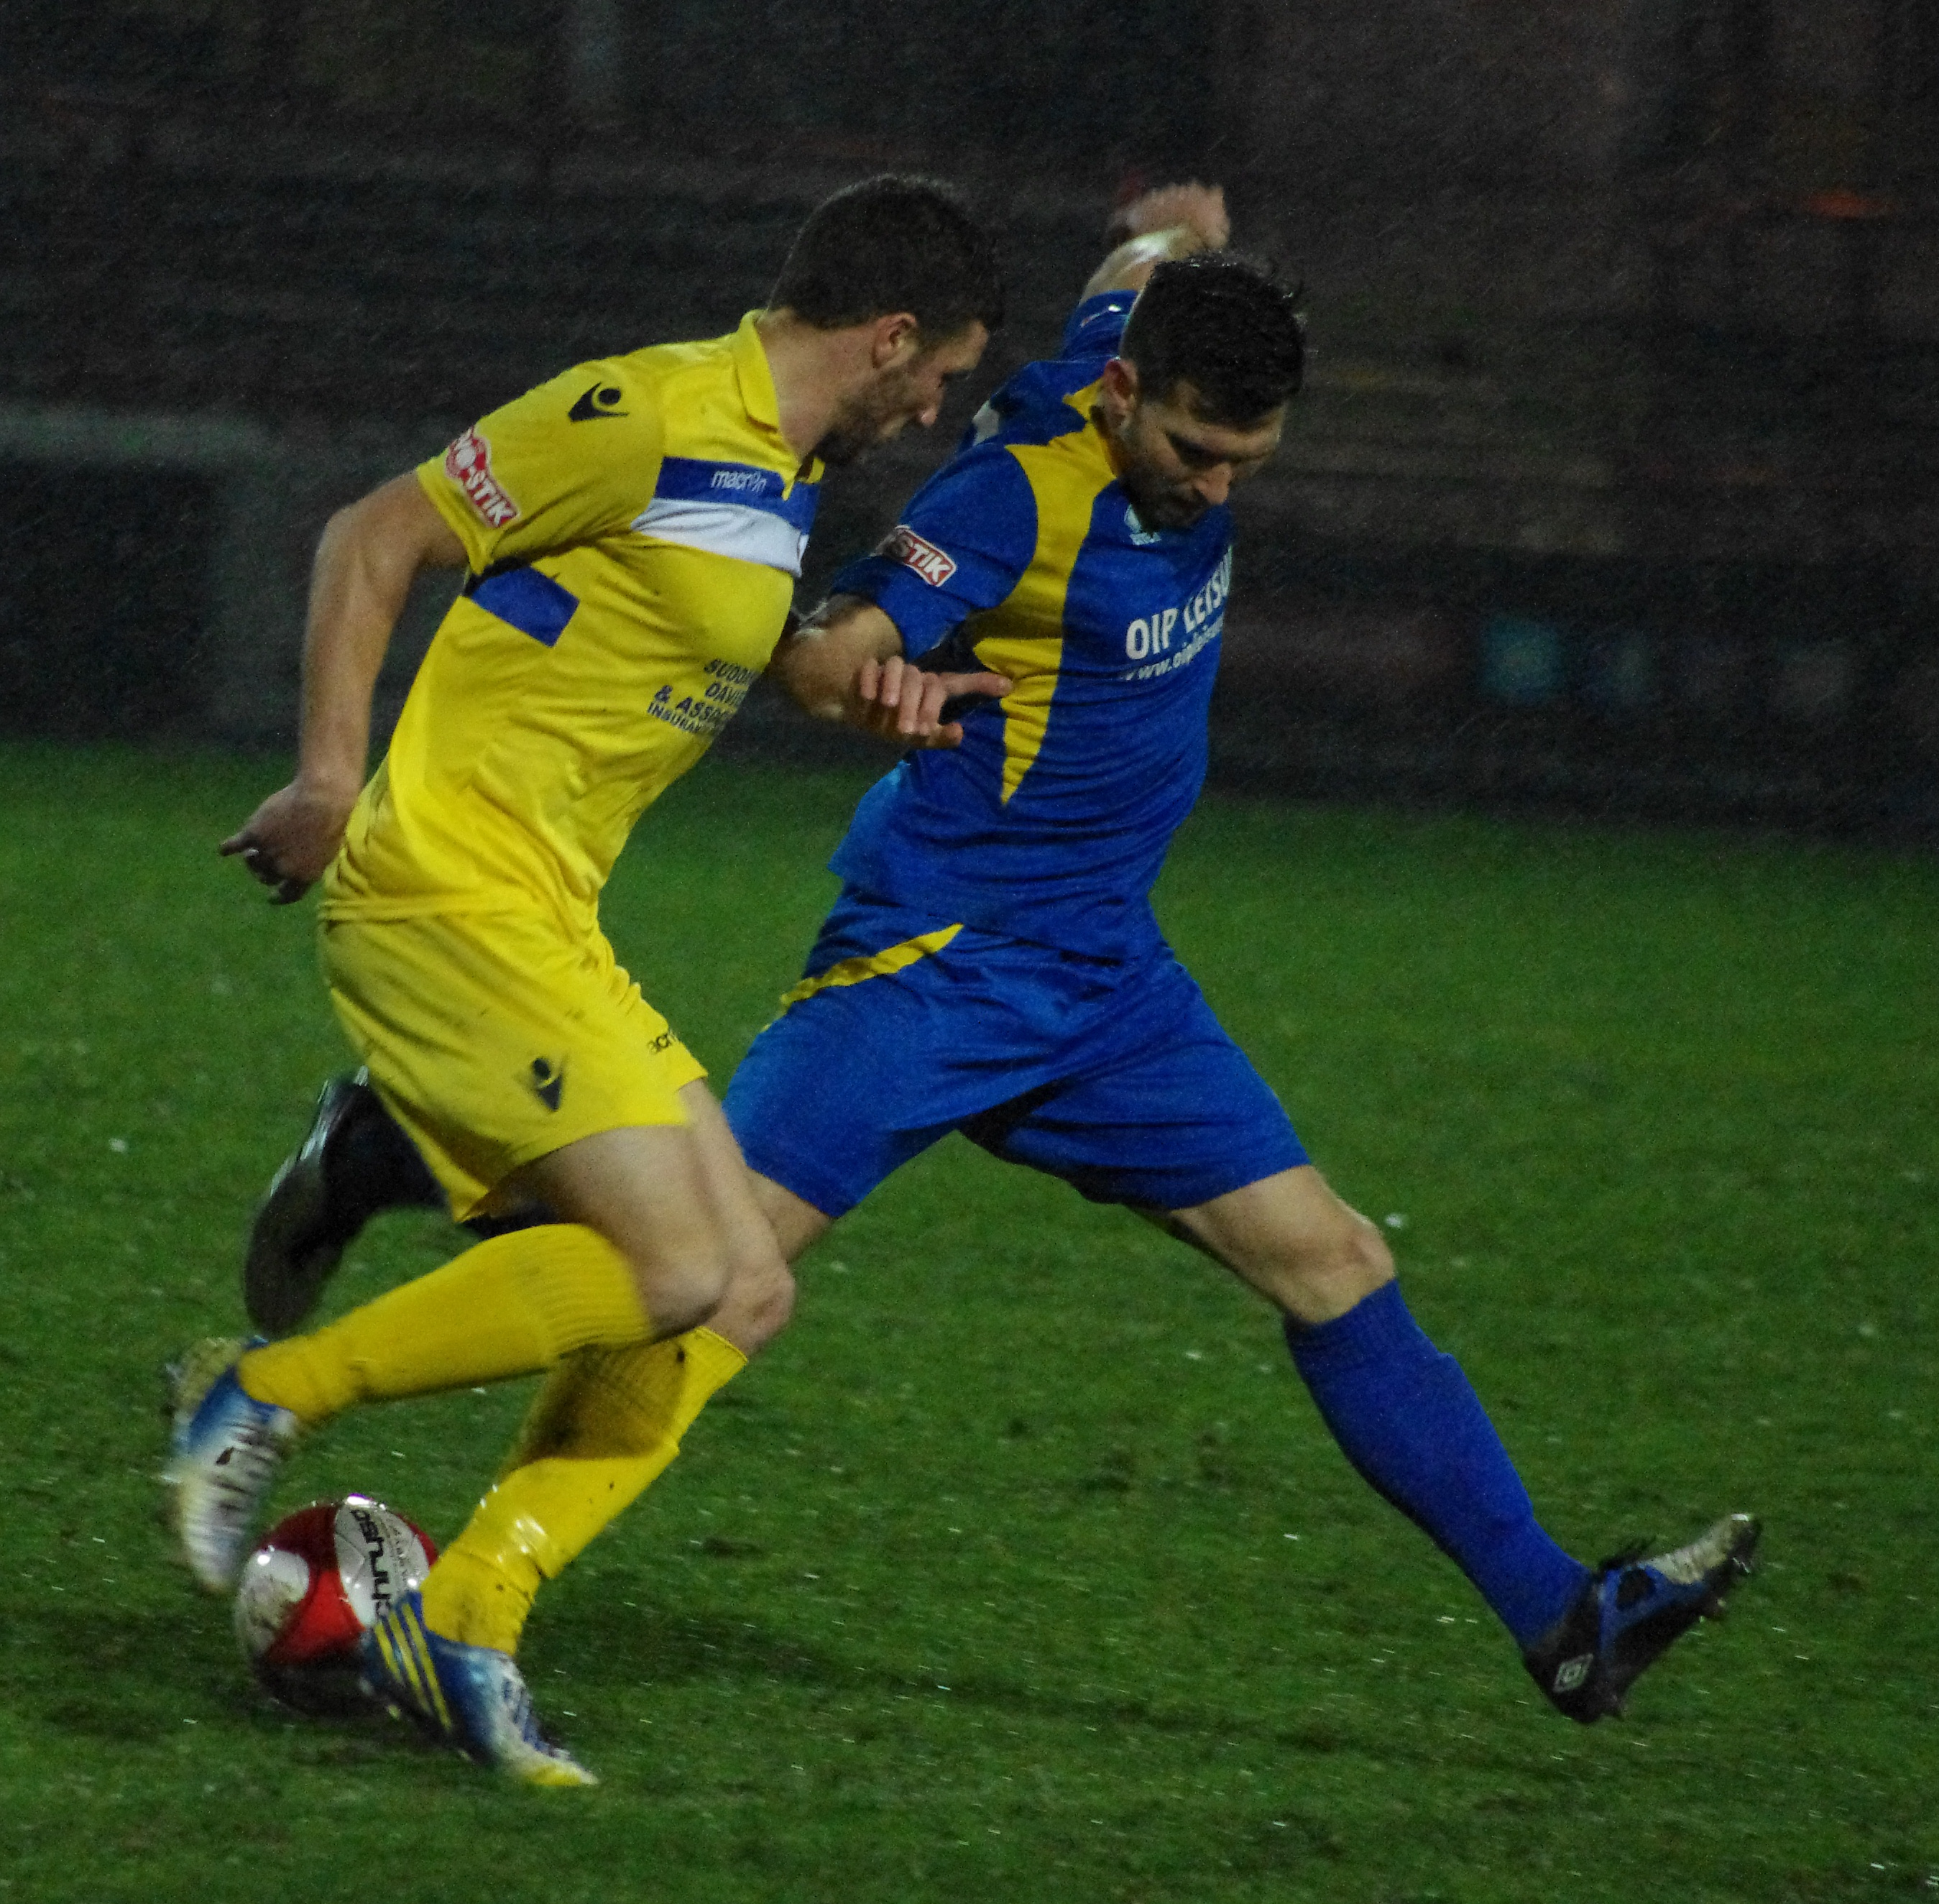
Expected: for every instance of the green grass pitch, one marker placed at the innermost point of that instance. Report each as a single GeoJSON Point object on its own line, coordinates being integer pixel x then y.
{"type": "Point", "coordinates": [1021, 1569]}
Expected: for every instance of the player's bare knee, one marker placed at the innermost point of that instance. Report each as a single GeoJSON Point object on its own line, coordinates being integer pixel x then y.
{"type": "Point", "coordinates": [1367, 1261]}
{"type": "Point", "coordinates": [778, 1312]}
{"type": "Point", "coordinates": [775, 1298]}
{"type": "Point", "coordinates": [1333, 1273]}
{"type": "Point", "coordinates": [758, 1305]}
{"type": "Point", "coordinates": [680, 1293]}
{"type": "Point", "coordinates": [676, 1307]}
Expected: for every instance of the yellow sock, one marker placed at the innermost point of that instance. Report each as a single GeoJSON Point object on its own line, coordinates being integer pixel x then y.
{"type": "Point", "coordinates": [504, 1308]}
{"type": "Point", "coordinates": [604, 1425]}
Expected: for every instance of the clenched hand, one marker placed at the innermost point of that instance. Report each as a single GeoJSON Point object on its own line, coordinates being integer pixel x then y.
{"type": "Point", "coordinates": [289, 840]}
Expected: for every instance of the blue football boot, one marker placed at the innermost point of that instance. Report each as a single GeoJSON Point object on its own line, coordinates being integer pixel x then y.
{"type": "Point", "coordinates": [1627, 1615]}
{"type": "Point", "coordinates": [472, 1697]}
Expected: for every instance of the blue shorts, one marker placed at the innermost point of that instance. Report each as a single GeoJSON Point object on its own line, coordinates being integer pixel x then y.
{"type": "Point", "coordinates": [1113, 1075]}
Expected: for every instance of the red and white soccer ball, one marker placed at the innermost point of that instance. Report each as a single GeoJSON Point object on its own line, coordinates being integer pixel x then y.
{"type": "Point", "coordinates": [314, 1586]}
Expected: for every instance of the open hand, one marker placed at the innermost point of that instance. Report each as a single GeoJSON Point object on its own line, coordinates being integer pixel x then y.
{"type": "Point", "coordinates": [289, 840]}
{"type": "Point", "coordinates": [898, 701]}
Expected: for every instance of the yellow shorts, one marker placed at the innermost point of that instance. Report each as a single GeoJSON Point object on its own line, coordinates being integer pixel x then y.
{"type": "Point", "coordinates": [496, 1037]}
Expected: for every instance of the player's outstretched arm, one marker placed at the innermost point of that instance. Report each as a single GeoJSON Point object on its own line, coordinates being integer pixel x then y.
{"type": "Point", "coordinates": [845, 662]}
{"type": "Point", "coordinates": [1172, 221]}
{"type": "Point", "coordinates": [370, 554]}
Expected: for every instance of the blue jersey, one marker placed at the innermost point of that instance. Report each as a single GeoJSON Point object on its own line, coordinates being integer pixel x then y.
{"type": "Point", "coordinates": [1050, 821]}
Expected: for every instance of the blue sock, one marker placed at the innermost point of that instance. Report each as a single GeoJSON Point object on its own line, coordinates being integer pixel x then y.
{"type": "Point", "coordinates": [1403, 1415]}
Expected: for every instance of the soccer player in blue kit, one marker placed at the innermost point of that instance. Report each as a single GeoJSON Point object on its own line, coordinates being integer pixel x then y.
{"type": "Point", "coordinates": [993, 964]}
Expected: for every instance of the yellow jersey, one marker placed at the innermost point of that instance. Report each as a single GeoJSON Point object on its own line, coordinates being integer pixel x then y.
{"type": "Point", "coordinates": [633, 530]}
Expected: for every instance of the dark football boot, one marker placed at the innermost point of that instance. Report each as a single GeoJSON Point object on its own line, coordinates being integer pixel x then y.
{"type": "Point", "coordinates": [354, 1161]}
{"type": "Point", "coordinates": [1631, 1611]}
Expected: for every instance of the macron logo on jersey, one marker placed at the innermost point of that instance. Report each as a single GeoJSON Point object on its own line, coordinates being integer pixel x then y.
{"type": "Point", "coordinates": [468, 463]}
{"type": "Point", "coordinates": [912, 551]}
{"type": "Point", "coordinates": [731, 509]}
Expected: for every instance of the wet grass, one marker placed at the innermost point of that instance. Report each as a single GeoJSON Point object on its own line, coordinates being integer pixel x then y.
{"type": "Point", "coordinates": [1020, 1568]}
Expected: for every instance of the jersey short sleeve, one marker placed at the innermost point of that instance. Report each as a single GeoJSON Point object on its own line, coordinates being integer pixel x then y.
{"type": "Point", "coordinates": [1096, 326]}
{"type": "Point", "coordinates": [962, 543]}
{"type": "Point", "coordinates": [571, 461]}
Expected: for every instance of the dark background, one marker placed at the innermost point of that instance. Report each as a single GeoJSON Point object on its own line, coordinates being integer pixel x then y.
{"type": "Point", "coordinates": [1613, 488]}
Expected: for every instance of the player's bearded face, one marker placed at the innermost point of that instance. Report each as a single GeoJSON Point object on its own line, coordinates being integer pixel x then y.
{"type": "Point", "coordinates": [909, 392]}
{"type": "Point", "coordinates": [1173, 464]}
{"type": "Point", "coordinates": [873, 414]}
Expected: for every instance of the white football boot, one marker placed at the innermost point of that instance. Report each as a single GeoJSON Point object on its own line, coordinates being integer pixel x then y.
{"type": "Point", "coordinates": [223, 1453]}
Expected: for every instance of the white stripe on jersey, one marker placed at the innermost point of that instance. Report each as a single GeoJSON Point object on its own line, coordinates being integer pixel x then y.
{"type": "Point", "coordinates": [726, 528]}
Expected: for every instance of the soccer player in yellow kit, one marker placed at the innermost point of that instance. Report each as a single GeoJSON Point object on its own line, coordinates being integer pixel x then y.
{"type": "Point", "coordinates": [992, 966]}
{"type": "Point", "coordinates": [631, 532]}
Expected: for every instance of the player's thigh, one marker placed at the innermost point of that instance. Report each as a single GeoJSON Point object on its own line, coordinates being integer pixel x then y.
{"type": "Point", "coordinates": [796, 1224]}
{"type": "Point", "coordinates": [839, 1092]}
{"type": "Point", "coordinates": [645, 1189]}
{"type": "Point", "coordinates": [496, 1039]}
{"type": "Point", "coordinates": [1157, 1107]}
{"type": "Point", "coordinates": [1294, 1240]}
{"type": "Point", "coordinates": [703, 1201]}
{"type": "Point", "coordinates": [758, 1298]}
{"type": "Point", "coordinates": [730, 1185]}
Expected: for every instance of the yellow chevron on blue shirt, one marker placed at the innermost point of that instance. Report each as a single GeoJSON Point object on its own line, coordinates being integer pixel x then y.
{"type": "Point", "coordinates": [1022, 638]}
{"type": "Point", "coordinates": [1026, 554]}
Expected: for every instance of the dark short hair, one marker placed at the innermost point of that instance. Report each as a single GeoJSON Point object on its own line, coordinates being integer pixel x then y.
{"type": "Point", "coordinates": [893, 243]}
{"type": "Point", "coordinates": [1223, 323]}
